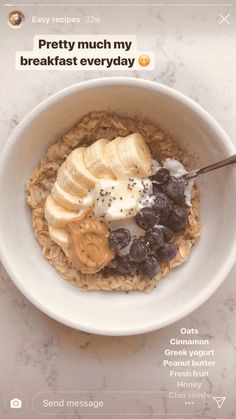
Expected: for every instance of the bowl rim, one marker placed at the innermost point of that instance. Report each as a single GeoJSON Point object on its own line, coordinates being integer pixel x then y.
{"type": "Point", "coordinates": [103, 82]}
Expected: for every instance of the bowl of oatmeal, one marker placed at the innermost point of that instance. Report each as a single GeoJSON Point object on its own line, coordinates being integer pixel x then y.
{"type": "Point", "coordinates": [98, 229]}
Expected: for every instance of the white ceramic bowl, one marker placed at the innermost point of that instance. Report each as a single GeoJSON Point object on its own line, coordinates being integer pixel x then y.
{"type": "Point", "coordinates": [182, 291]}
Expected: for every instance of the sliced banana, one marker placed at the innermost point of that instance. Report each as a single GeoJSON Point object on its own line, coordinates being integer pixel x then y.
{"type": "Point", "coordinates": [56, 215]}
{"type": "Point", "coordinates": [135, 155]}
{"type": "Point", "coordinates": [59, 236]}
{"type": "Point", "coordinates": [113, 170]}
{"type": "Point", "coordinates": [65, 199]}
{"type": "Point", "coordinates": [68, 183]}
{"type": "Point", "coordinates": [95, 160]}
{"type": "Point", "coordinates": [113, 158]}
{"type": "Point", "coordinates": [76, 167]}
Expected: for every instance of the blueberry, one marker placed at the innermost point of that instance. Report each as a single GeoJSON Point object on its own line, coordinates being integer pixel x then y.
{"type": "Point", "coordinates": [175, 190]}
{"type": "Point", "coordinates": [139, 250]}
{"type": "Point", "coordinates": [156, 188]}
{"type": "Point", "coordinates": [178, 218]}
{"type": "Point", "coordinates": [146, 218]}
{"type": "Point", "coordinates": [149, 267]}
{"type": "Point", "coordinates": [126, 266]}
{"type": "Point", "coordinates": [154, 238]}
{"type": "Point", "coordinates": [162, 206]}
{"type": "Point", "coordinates": [162, 175]}
{"type": "Point", "coordinates": [166, 252]}
{"type": "Point", "coordinates": [119, 238]}
{"type": "Point", "coordinates": [166, 232]}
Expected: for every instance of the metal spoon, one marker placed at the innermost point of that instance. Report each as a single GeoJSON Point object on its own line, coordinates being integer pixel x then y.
{"type": "Point", "coordinates": [194, 173]}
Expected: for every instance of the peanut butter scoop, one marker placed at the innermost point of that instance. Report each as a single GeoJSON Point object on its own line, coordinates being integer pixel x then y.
{"type": "Point", "coordinates": [88, 244]}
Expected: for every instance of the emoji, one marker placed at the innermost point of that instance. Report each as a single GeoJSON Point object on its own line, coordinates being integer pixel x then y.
{"type": "Point", "coordinates": [16, 18]}
{"type": "Point", "coordinates": [144, 60]}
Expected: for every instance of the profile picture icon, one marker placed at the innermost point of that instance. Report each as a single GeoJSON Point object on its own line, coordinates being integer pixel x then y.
{"type": "Point", "coordinates": [15, 403]}
{"type": "Point", "coordinates": [15, 18]}
{"type": "Point", "coordinates": [144, 60]}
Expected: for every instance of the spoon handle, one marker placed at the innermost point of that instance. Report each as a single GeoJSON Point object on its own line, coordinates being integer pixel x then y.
{"type": "Point", "coordinates": [222, 163]}
{"type": "Point", "coordinates": [210, 167]}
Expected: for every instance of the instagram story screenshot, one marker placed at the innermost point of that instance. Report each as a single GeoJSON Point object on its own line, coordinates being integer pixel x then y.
{"type": "Point", "coordinates": [118, 209]}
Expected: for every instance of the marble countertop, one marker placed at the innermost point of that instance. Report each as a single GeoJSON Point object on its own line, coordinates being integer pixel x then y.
{"type": "Point", "coordinates": [196, 55]}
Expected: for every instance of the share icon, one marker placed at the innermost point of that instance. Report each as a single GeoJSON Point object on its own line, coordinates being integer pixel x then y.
{"type": "Point", "coordinates": [219, 401]}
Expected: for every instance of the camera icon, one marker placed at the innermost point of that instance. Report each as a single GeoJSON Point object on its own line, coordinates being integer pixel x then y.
{"type": "Point", "coordinates": [15, 403]}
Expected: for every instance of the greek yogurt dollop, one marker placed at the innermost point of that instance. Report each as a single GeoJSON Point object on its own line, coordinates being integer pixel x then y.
{"type": "Point", "coordinates": [120, 199]}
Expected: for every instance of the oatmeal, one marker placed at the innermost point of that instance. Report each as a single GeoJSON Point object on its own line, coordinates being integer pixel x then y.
{"type": "Point", "coordinates": [135, 200]}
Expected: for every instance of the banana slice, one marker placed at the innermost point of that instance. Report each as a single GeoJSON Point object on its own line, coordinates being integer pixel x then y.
{"type": "Point", "coordinates": [135, 155]}
{"type": "Point", "coordinates": [129, 156]}
{"type": "Point", "coordinates": [65, 199]}
{"type": "Point", "coordinates": [95, 160]}
{"type": "Point", "coordinates": [76, 167]}
{"type": "Point", "coordinates": [66, 182]}
{"type": "Point", "coordinates": [56, 215]}
{"type": "Point", "coordinates": [112, 156]}
{"type": "Point", "coordinates": [59, 236]}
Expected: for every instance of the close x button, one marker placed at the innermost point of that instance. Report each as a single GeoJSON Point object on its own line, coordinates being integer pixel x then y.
{"type": "Point", "coordinates": [224, 19]}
